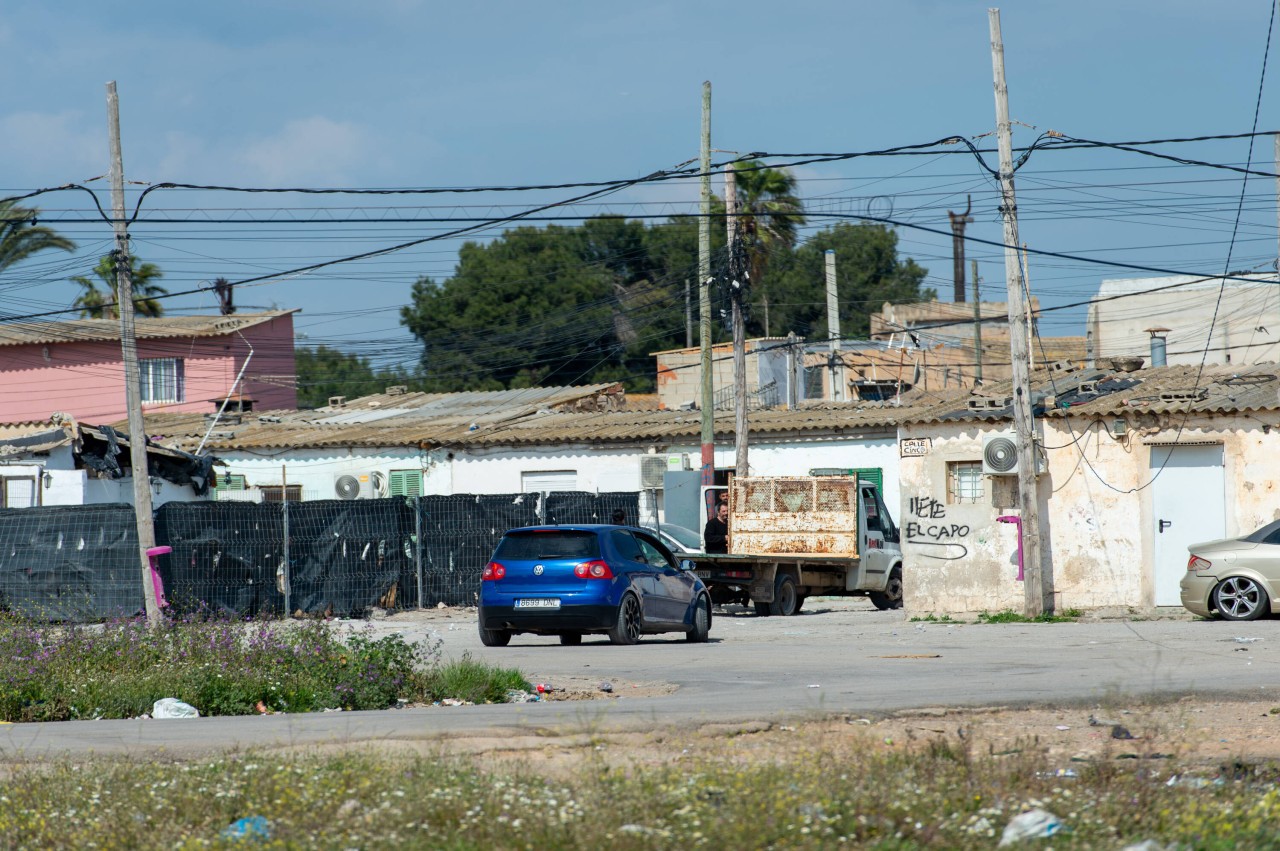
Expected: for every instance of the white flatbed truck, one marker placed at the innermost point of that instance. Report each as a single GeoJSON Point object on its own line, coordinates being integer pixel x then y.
{"type": "Point", "coordinates": [795, 537]}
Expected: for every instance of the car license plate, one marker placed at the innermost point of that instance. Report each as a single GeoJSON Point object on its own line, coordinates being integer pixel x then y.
{"type": "Point", "coordinates": [703, 574]}
{"type": "Point", "coordinates": [539, 603]}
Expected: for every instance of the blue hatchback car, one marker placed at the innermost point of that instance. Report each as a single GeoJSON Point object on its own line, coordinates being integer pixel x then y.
{"type": "Point", "coordinates": [573, 580]}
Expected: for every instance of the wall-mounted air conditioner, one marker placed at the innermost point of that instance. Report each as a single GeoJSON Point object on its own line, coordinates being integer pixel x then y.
{"type": "Point", "coordinates": [1000, 454]}
{"type": "Point", "coordinates": [360, 486]}
{"type": "Point", "coordinates": [652, 469]}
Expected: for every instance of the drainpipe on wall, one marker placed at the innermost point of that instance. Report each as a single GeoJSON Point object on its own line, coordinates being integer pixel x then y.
{"type": "Point", "coordinates": [1017, 521]}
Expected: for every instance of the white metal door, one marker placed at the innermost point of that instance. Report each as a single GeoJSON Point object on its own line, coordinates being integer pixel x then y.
{"type": "Point", "coordinates": [1188, 501]}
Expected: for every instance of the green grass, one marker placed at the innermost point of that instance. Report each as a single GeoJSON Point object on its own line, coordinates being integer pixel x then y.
{"type": "Point", "coordinates": [932, 618]}
{"type": "Point", "coordinates": [224, 667]}
{"type": "Point", "coordinates": [941, 796]}
{"type": "Point", "coordinates": [1010, 616]}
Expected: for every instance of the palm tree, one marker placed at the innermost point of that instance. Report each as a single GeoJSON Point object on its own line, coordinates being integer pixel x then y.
{"type": "Point", "coordinates": [97, 303]}
{"type": "Point", "coordinates": [769, 217]}
{"type": "Point", "coordinates": [21, 237]}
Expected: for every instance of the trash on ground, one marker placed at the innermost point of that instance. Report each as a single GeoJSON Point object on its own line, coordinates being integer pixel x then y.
{"type": "Point", "coordinates": [1033, 824]}
{"type": "Point", "coordinates": [1062, 727]}
{"type": "Point", "coordinates": [516, 696]}
{"type": "Point", "coordinates": [171, 707]}
{"type": "Point", "coordinates": [1146, 845]}
{"type": "Point", "coordinates": [1240, 639]}
{"type": "Point", "coordinates": [606, 687]}
{"type": "Point", "coordinates": [256, 828]}
{"type": "Point", "coordinates": [1119, 731]}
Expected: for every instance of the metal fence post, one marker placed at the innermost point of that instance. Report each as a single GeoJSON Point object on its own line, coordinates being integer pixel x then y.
{"type": "Point", "coordinates": [284, 567]}
{"type": "Point", "coordinates": [417, 543]}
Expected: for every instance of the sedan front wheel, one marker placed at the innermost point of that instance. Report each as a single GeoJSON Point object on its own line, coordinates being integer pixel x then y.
{"type": "Point", "coordinates": [1239, 598]}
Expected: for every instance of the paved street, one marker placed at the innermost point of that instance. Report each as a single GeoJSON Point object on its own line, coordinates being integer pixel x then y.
{"type": "Point", "coordinates": [836, 657]}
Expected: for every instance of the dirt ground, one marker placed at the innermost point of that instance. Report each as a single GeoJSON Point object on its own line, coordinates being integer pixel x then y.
{"type": "Point", "coordinates": [1193, 732]}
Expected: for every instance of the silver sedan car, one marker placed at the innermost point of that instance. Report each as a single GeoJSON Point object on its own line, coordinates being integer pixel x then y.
{"type": "Point", "coordinates": [1235, 578]}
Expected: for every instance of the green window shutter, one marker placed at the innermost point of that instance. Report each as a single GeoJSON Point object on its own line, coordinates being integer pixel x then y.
{"type": "Point", "coordinates": [875, 475]}
{"type": "Point", "coordinates": [230, 482]}
{"type": "Point", "coordinates": [406, 483]}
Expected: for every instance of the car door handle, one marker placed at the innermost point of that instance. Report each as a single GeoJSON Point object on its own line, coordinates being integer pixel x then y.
{"type": "Point", "coordinates": [1165, 524]}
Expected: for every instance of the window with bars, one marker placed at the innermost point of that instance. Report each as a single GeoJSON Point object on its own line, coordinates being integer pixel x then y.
{"type": "Point", "coordinates": [964, 481]}
{"type": "Point", "coordinates": [19, 492]}
{"type": "Point", "coordinates": [162, 379]}
{"type": "Point", "coordinates": [275, 493]}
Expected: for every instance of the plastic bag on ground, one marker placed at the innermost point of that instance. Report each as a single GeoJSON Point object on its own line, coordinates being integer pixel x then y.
{"type": "Point", "coordinates": [254, 828]}
{"type": "Point", "coordinates": [1033, 824]}
{"type": "Point", "coordinates": [171, 707]}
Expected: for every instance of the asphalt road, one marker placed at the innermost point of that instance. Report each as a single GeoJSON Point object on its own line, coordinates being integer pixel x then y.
{"type": "Point", "coordinates": [837, 657]}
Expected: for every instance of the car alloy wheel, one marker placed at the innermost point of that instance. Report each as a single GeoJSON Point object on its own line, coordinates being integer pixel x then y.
{"type": "Point", "coordinates": [630, 618]}
{"type": "Point", "coordinates": [1240, 598]}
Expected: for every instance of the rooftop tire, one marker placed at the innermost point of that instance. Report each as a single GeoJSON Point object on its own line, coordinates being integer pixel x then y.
{"type": "Point", "coordinates": [891, 596]}
{"type": "Point", "coordinates": [1239, 598]}
{"type": "Point", "coordinates": [701, 622]}
{"type": "Point", "coordinates": [786, 599]}
{"type": "Point", "coordinates": [630, 620]}
{"type": "Point", "coordinates": [495, 637]}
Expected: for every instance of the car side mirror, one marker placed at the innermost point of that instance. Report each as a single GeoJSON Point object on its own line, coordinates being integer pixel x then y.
{"type": "Point", "coordinates": [687, 564]}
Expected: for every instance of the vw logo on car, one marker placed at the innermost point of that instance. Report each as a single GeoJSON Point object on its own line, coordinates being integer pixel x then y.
{"type": "Point", "coordinates": [537, 570]}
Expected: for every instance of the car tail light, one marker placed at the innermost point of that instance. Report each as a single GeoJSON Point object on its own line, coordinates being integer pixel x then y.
{"type": "Point", "coordinates": [492, 572]}
{"type": "Point", "coordinates": [593, 570]}
{"type": "Point", "coordinates": [1196, 563]}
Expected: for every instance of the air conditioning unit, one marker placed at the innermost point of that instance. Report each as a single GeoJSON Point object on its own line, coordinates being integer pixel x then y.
{"type": "Point", "coordinates": [652, 469]}
{"type": "Point", "coordinates": [348, 486]}
{"type": "Point", "coordinates": [1000, 455]}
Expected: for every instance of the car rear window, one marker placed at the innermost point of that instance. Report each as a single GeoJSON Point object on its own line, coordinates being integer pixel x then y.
{"type": "Point", "coordinates": [548, 545]}
{"type": "Point", "coordinates": [1269, 534]}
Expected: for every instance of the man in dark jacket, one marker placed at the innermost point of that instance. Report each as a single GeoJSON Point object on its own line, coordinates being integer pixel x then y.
{"type": "Point", "coordinates": [715, 535]}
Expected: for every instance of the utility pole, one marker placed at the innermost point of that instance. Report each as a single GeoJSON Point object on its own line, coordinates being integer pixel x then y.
{"type": "Point", "coordinates": [1278, 201]}
{"type": "Point", "coordinates": [704, 298]}
{"type": "Point", "coordinates": [833, 329]}
{"type": "Point", "coordinates": [129, 352]}
{"type": "Point", "coordinates": [1026, 291]}
{"type": "Point", "coordinates": [1038, 593]}
{"type": "Point", "coordinates": [977, 328]}
{"type": "Point", "coordinates": [958, 222]}
{"type": "Point", "coordinates": [737, 286]}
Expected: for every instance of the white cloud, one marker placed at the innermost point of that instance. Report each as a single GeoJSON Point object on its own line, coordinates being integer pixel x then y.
{"type": "Point", "coordinates": [56, 147]}
{"type": "Point", "coordinates": [310, 151]}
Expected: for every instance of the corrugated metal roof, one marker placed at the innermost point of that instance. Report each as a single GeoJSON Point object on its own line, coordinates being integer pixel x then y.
{"type": "Point", "coordinates": [100, 330]}
{"type": "Point", "coordinates": [468, 406]}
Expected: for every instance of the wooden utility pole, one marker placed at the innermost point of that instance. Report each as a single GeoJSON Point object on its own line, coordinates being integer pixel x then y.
{"type": "Point", "coordinates": [129, 352]}
{"type": "Point", "coordinates": [958, 222]}
{"type": "Point", "coordinates": [833, 328]}
{"type": "Point", "coordinates": [1038, 593]}
{"type": "Point", "coordinates": [704, 298]}
{"type": "Point", "coordinates": [737, 286]}
{"type": "Point", "coordinates": [977, 328]}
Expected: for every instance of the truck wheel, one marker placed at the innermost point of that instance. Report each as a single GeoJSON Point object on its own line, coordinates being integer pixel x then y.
{"type": "Point", "coordinates": [891, 596]}
{"type": "Point", "coordinates": [785, 597]}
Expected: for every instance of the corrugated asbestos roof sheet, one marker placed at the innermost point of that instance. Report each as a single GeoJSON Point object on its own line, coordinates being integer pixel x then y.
{"type": "Point", "coordinates": [99, 330]}
{"type": "Point", "coordinates": [1058, 393]}
{"type": "Point", "coordinates": [460, 406]}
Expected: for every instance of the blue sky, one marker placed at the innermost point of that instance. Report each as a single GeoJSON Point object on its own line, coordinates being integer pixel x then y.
{"type": "Point", "coordinates": [417, 94]}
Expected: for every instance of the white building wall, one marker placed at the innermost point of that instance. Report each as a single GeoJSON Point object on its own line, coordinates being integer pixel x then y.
{"type": "Point", "coordinates": [317, 469]}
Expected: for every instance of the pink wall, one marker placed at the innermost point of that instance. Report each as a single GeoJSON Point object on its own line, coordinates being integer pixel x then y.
{"type": "Point", "coordinates": [86, 380]}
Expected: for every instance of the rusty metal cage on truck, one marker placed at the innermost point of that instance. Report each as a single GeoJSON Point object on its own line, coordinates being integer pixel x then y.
{"type": "Point", "coordinates": [800, 515]}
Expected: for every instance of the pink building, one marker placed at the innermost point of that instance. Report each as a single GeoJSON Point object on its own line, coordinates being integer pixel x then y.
{"type": "Point", "coordinates": [187, 363]}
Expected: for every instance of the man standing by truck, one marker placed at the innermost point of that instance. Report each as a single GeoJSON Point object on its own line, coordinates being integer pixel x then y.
{"type": "Point", "coordinates": [715, 535]}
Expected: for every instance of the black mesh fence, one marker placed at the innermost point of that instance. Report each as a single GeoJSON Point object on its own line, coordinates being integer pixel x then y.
{"type": "Point", "coordinates": [339, 557]}
{"type": "Point", "coordinates": [70, 563]}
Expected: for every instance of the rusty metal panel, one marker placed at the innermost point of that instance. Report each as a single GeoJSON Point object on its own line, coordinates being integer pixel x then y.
{"type": "Point", "coordinates": [802, 515]}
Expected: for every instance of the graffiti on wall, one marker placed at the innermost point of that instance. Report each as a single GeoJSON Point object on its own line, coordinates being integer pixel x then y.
{"type": "Point", "coordinates": [927, 528]}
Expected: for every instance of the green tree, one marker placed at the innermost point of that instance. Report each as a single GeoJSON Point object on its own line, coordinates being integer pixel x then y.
{"type": "Point", "coordinates": [21, 237]}
{"type": "Point", "coordinates": [323, 372]}
{"type": "Point", "coordinates": [769, 217]}
{"type": "Point", "coordinates": [95, 303]}
{"type": "Point", "coordinates": [868, 272]}
{"type": "Point", "coordinates": [555, 305]}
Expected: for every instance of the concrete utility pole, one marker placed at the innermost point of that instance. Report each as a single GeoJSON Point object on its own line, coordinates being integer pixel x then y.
{"type": "Point", "coordinates": [1278, 201]}
{"type": "Point", "coordinates": [833, 329]}
{"type": "Point", "coordinates": [129, 351]}
{"type": "Point", "coordinates": [736, 287]}
{"type": "Point", "coordinates": [688, 317]}
{"type": "Point", "coordinates": [958, 221]}
{"type": "Point", "coordinates": [1038, 582]}
{"type": "Point", "coordinates": [704, 298]}
{"type": "Point", "coordinates": [977, 328]}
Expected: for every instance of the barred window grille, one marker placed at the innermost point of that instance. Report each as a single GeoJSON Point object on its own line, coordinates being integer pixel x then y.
{"type": "Point", "coordinates": [964, 481]}
{"type": "Point", "coordinates": [162, 379]}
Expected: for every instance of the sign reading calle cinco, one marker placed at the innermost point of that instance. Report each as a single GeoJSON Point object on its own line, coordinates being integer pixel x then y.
{"type": "Point", "coordinates": [914, 447]}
